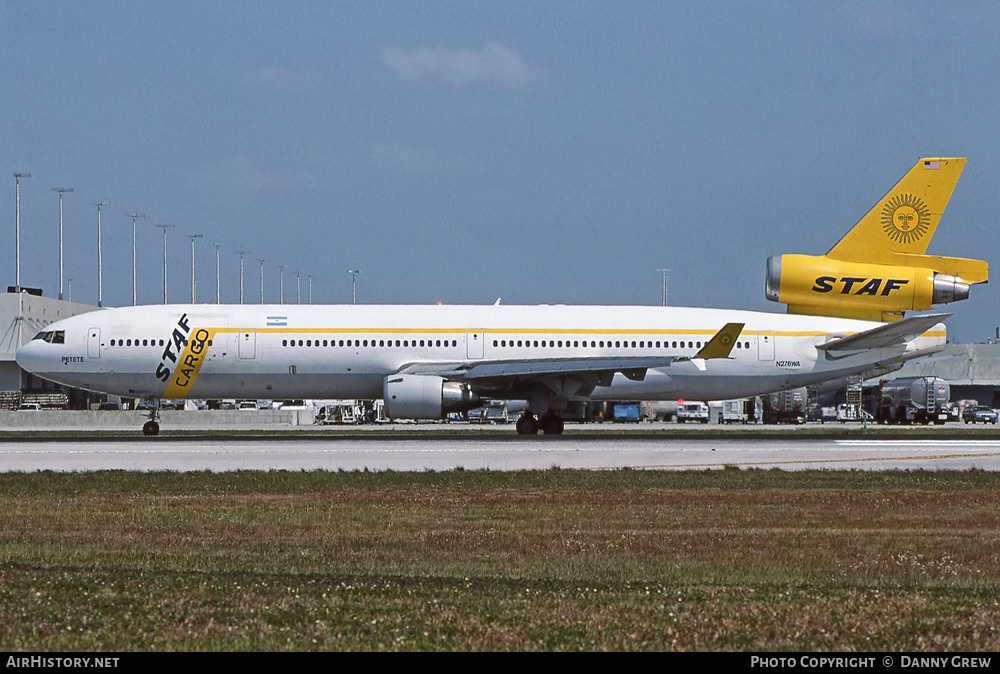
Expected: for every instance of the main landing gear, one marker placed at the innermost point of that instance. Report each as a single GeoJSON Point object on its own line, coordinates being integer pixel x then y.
{"type": "Point", "coordinates": [550, 424]}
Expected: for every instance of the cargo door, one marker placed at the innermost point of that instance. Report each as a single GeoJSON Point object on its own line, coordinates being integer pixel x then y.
{"type": "Point", "coordinates": [765, 345]}
{"type": "Point", "coordinates": [94, 343]}
{"type": "Point", "coordinates": [474, 343]}
{"type": "Point", "coordinates": [248, 344]}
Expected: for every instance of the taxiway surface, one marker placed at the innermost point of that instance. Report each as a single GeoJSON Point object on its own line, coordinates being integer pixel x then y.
{"type": "Point", "coordinates": [430, 452]}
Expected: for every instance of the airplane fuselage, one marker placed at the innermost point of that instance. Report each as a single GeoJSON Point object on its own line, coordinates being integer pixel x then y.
{"type": "Point", "coordinates": [347, 351]}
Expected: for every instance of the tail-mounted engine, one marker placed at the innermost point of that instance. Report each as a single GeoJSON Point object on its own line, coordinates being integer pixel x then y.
{"type": "Point", "coordinates": [821, 286]}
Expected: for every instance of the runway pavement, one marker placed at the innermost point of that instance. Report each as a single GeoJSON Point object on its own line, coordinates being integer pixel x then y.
{"type": "Point", "coordinates": [428, 451]}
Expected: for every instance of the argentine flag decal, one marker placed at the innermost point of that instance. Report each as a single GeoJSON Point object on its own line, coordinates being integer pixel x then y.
{"type": "Point", "coordinates": [277, 321]}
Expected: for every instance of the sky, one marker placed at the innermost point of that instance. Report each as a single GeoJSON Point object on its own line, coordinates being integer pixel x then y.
{"type": "Point", "coordinates": [542, 152]}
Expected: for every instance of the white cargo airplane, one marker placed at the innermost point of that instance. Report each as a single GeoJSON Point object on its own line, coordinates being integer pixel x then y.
{"type": "Point", "coordinates": [428, 361]}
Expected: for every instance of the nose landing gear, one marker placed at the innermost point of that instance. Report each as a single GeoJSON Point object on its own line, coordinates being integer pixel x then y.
{"type": "Point", "coordinates": [152, 427]}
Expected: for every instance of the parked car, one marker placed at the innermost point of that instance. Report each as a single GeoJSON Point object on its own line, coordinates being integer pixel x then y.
{"type": "Point", "coordinates": [976, 413]}
{"type": "Point", "coordinates": [247, 405]}
{"type": "Point", "coordinates": [109, 405]}
{"type": "Point", "coordinates": [29, 407]}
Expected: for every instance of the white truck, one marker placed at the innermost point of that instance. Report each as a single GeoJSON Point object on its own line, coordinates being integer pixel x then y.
{"type": "Point", "coordinates": [692, 411]}
{"type": "Point", "coordinates": [728, 411]}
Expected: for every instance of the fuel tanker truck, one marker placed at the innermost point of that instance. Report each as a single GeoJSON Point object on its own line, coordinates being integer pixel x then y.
{"type": "Point", "coordinates": [908, 400]}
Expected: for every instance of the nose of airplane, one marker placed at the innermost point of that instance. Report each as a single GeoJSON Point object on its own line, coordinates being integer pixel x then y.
{"type": "Point", "coordinates": [30, 357]}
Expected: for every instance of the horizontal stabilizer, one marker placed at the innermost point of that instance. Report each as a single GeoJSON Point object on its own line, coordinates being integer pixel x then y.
{"type": "Point", "coordinates": [884, 335]}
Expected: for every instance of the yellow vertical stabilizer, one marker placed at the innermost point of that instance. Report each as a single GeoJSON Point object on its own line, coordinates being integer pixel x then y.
{"type": "Point", "coordinates": [879, 270]}
{"type": "Point", "coordinates": [904, 221]}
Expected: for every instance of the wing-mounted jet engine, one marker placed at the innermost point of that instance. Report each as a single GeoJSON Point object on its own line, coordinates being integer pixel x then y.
{"type": "Point", "coordinates": [879, 270]}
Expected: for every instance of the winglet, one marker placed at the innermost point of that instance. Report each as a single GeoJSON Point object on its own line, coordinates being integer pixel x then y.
{"type": "Point", "coordinates": [721, 345]}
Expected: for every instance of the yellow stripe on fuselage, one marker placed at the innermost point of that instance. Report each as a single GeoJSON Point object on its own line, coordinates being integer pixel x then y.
{"type": "Point", "coordinates": [531, 331]}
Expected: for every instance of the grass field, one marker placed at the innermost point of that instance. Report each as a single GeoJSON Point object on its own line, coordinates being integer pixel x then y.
{"type": "Point", "coordinates": [475, 560]}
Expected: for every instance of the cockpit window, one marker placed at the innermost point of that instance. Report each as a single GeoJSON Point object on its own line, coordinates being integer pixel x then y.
{"type": "Point", "coordinates": [52, 336]}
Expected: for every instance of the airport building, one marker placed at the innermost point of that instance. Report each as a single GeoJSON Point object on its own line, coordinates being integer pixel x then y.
{"type": "Point", "coordinates": [22, 316]}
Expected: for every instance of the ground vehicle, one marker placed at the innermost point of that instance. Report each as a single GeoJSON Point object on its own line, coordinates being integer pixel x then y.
{"type": "Point", "coordinates": [847, 413]}
{"type": "Point", "coordinates": [728, 411]}
{"type": "Point", "coordinates": [490, 414]}
{"type": "Point", "coordinates": [821, 414]}
{"type": "Point", "coordinates": [247, 405]}
{"type": "Point", "coordinates": [29, 407]}
{"type": "Point", "coordinates": [913, 400]}
{"type": "Point", "coordinates": [495, 415]}
{"type": "Point", "coordinates": [692, 412]}
{"type": "Point", "coordinates": [975, 413]}
{"type": "Point", "coordinates": [785, 407]}
{"type": "Point", "coordinates": [110, 405]}
{"type": "Point", "coordinates": [657, 410]}
{"type": "Point", "coordinates": [625, 412]}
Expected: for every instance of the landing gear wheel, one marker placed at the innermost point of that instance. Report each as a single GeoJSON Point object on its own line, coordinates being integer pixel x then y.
{"type": "Point", "coordinates": [527, 424]}
{"type": "Point", "coordinates": [552, 424]}
{"type": "Point", "coordinates": [151, 428]}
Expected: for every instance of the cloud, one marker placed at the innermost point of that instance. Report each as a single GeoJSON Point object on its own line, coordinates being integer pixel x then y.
{"type": "Point", "coordinates": [493, 63]}
{"type": "Point", "coordinates": [243, 173]}
{"type": "Point", "coordinates": [283, 80]}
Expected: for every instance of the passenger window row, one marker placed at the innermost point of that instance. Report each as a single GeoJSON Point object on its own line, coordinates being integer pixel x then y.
{"type": "Point", "coordinates": [370, 342]}
{"type": "Point", "coordinates": [601, 344]}
{"type": "Point", "coordinates": [144, 342]}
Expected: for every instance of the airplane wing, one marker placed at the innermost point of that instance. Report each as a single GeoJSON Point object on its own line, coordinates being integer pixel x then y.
{"type": "Point", "coordinates": [602, 367]}
{"type": "Point", "coordinates": [888, 334]}
{"type": "Point", "coordinates": [631, 367]}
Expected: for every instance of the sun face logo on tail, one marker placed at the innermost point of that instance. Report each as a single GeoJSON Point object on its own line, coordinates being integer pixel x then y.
{"type": "Point", "coordinates": [905, 218]}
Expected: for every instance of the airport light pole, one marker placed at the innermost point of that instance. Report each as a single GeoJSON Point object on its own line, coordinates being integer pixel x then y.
{"type": "Point", "coordinates": [193, 237]}
{"type": "Point", "coordinates": [165, 228]}
{"type": "Point", "coordinates": [218, 286]}
{"type": "Point", "coordinates": [281, 283]}
{"type": "Point", "coordinates": [310, 289]}
{"type": "Point", "coordinates": [100, 259]}
{"type": "Point", "coordinates": [241, 254]}
{"type": "Point", "coordinates": [134, 217]}
{"type": "Point", "coordinates": [17, 229]}
{"type": "Point", "coordinates": [262, 260]}
{"type": "Point", "coordinates": [298, 287]}
{"type": "Point", "coordinates": [664, 272]}
{"type": "Point", "coordinates": [61, 191]}
{"type": "Point", "coordinates": [354, 284]}
{"type": "Point", "coordinates": [69, 287]}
